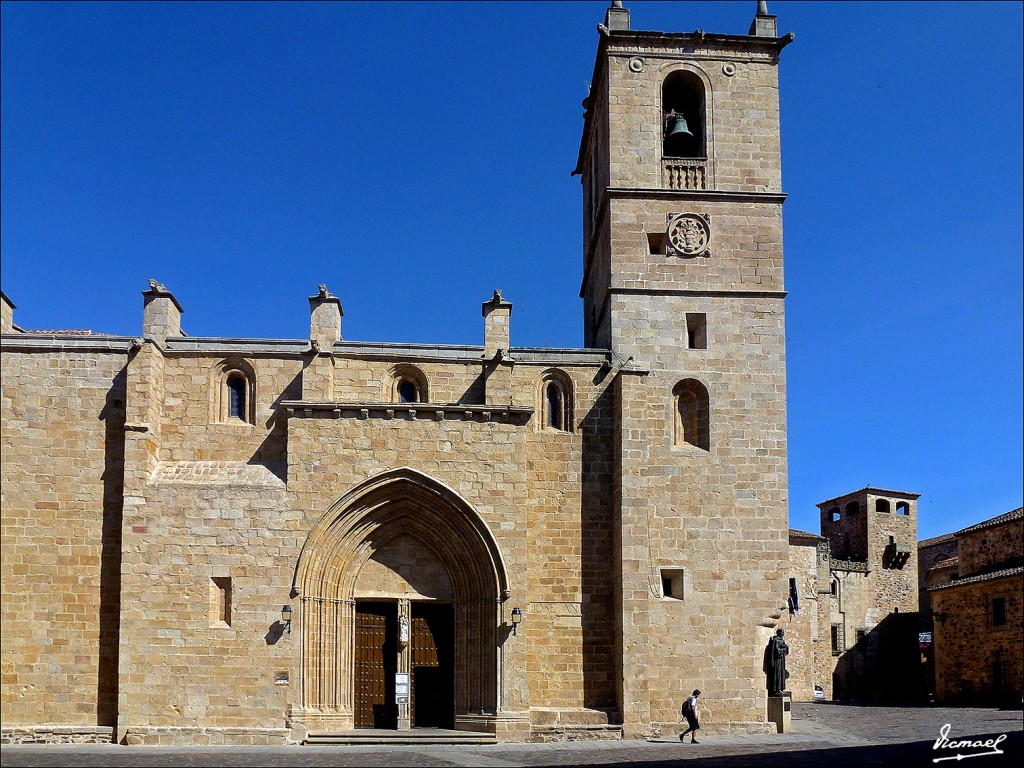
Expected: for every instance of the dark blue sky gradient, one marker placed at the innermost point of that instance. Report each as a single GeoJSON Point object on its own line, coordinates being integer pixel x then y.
{"type": "Point", "coordinates": [415, 157]}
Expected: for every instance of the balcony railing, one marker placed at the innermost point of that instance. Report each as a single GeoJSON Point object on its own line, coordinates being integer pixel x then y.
{"type": "Point", "coordinates": [684, 172]}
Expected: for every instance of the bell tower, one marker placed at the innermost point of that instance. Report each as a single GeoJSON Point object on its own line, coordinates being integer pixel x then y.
{"type": "Point", "coordinates": [682, 222]}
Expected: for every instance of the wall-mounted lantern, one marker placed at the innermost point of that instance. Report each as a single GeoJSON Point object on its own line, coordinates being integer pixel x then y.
{"type": "Point", "coordinates": [286, 618]}
{"type": "Point", "coordinates": [517, 619]}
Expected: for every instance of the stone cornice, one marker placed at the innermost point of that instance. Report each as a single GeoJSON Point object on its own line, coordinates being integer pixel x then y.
{"type": "Point", "coordinates": [857, 566]}
{"type": "Point", "coordinates": [709, 195]}
{"type": "Point", "coordinates": [52, 342]}
{"type": "Point", "coordinates": [182, 345]}
{"type": "Point", "coordinates": [388, 351]}
{"type": "Point", "coordinates": [407, 411]}
{"type": "Point", "coordinates": [699, 43]}
{"type": "Point", "coordinates": [740, 294]}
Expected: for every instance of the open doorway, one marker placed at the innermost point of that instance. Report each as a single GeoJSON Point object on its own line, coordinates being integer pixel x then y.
{"type": "Point", "coordinates": [433, 665]}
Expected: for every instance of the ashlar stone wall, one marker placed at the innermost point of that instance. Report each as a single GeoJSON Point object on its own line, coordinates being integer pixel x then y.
{"type": "Point", "coordinates": [60, 491]}
{"type": "Point", "coordinates": [215, 503]}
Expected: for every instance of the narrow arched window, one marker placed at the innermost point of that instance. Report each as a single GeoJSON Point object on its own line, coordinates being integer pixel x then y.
{"type": "Point", "coordinates": [692, 414]}
{"type": "Point", "coordinates": [555, 402]}
{"type": "Point", "coordinates": [833, 514]}
{"type": "Point", "coordinates": [683, 116]}
{"type": "Point", "coordinates": [233, 392]}
{"type": "Point", "coordinates": [556, 406]}
{"type": "Point", "coordinates": [882, 505]}
{"type": "Point", "coordinates": [237, 397]}
{"type": "Point", "coordinates": [408, 384]}
{"type": "Point", "coordinates": [852, 508]}
{"type": "Point", "coordinates": [902, 508]}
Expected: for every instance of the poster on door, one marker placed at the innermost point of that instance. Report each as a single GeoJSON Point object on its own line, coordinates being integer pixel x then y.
{"type": "Point", "coordinates": [401, 687]}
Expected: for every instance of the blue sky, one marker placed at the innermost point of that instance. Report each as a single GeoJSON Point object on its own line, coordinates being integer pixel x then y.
{"type": "Point", "coordinates": [416, 156]}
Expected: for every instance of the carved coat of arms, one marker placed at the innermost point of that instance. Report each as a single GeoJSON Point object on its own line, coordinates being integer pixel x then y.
{"type": "Point", "coordinates": [688, 235]}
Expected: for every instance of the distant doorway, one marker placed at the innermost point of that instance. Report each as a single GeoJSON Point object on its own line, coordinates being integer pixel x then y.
{"type": "Point", "coordinates": [376, 659]}
{"type": "Point", "coordinates": [433, 665]}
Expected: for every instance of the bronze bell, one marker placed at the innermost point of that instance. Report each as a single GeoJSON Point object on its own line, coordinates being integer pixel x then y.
{"type": "Point", "coordinates": [677, 127]}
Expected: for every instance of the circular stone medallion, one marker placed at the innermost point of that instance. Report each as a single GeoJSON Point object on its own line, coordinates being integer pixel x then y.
{"type": "Point", "coordinates": [636, 64]}
{"type": "Point", "coordinates": [689, 234]}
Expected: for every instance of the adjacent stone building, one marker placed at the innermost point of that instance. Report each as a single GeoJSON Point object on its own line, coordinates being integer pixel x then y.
{"type": "Point", "coordinates": [522, 543]}
{"type": "Point", "coordinates": [854, 599]}
{"type": "Point", "coordinates": [976, 613]}
{"type": "Point", "coordinates": [807, 613]}
{"type": "Point", "coordinates": [936, 564]}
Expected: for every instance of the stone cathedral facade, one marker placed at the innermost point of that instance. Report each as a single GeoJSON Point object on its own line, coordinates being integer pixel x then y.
{"type": "Point", "coordinates": [251, 540]}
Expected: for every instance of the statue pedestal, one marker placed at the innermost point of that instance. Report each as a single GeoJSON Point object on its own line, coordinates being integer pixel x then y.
{"type": "Point", "coordinates": [780, 712]}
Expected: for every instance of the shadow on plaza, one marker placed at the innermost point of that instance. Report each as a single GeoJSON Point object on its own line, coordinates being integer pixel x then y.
{"type": "Point", "coordinates": [910, 755]}
{"type": "Point", "coordinates": [910, 704]}
{"type": "Point", "coordinates": [665, 755]}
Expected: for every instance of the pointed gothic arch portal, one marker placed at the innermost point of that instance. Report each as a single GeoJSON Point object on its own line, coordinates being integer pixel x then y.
{"type": "Point", "coordinates": [398, 508]}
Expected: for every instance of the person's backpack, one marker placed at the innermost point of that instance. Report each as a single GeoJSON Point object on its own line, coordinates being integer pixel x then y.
{"type": "Point", "coordinates": [688, 707]}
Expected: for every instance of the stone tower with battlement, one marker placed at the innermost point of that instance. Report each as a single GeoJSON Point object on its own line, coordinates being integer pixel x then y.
{"type": "Point", "coordinates": [683, 282]}
{"type": "Point", "coordinates": [870, 651]}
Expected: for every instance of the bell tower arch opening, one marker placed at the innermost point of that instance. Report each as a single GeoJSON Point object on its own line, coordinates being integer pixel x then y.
{"type": "Point", "coordinates": [399, 586]}
{"type": "Point", "coordinates": [684, 116]}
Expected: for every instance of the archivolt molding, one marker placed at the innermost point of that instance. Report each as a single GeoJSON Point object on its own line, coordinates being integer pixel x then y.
{"type": "Point", "coordinates": [398, 501]}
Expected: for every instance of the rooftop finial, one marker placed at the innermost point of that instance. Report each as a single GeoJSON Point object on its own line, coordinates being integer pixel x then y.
{"type": "Point", "coordinates": [616, 18]}
{"type": "Point", "coordinates": [763, 24]}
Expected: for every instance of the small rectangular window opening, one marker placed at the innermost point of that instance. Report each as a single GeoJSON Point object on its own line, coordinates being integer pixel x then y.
{"type": "Point", "coordinates": [1000, 674]}
{"type": "Point", "coordinates": [220, 601]}
{"type": "Point", "coordinates": [672, 583]}
{"type": "Point", "coordinates": [998, 611]}
{"type": "Point", "coordinates": [836, 647]}
{"type": "Point", "coordinates": [656, 242]}
{"type": "Point", "coordinates": [696, 330]}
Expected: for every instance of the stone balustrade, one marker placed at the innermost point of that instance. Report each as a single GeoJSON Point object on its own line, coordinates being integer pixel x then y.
{"type": "Point", "coordinates": [684, 172]}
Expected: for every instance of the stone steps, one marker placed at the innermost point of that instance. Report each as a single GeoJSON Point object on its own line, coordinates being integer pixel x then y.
{"type": "Point", "coordinates": [412, 737]}
{"type": "Point", "coordinates": [576, 732]}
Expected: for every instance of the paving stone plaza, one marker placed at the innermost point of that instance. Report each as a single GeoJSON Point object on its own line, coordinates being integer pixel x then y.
{"type": "Point", "coordinates": [832, 734]}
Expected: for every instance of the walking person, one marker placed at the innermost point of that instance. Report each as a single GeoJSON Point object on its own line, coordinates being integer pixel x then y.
{"type": "Point", "coordinates": [692, 715]}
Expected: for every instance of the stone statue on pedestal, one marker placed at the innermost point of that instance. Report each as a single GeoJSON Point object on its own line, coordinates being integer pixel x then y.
{"type": "Point", "coordinates": [775, 663]}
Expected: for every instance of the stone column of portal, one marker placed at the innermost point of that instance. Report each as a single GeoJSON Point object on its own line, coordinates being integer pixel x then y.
{"type": "Point", "coordinates": [325, 315]}
{"type": "Point", "coordinates": [405, 662]}
{"type": "Point", "coordinates": [347, 632]}
{"type": "Point", "coordinates": [497, 363]}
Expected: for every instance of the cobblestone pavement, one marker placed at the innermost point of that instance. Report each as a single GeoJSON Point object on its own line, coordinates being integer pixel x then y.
{"type": "Point", "coordinates": [833, 735]}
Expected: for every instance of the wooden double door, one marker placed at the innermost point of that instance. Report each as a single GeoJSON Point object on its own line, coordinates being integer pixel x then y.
{"type": "Point", "coordinates": [428, 658]}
